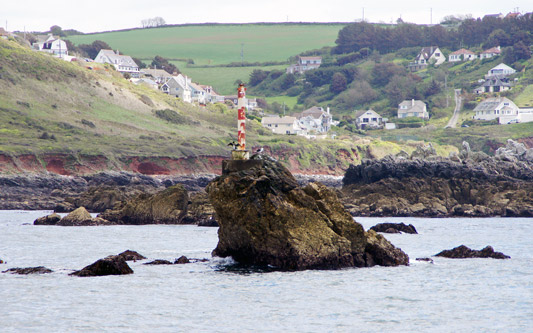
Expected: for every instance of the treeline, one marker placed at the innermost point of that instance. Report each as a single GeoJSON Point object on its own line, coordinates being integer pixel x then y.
{"type": "Point", "coordinates": [486, 32]}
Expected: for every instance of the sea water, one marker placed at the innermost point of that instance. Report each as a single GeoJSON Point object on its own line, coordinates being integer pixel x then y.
{"type": "Point", "coordinates": [450, 295]}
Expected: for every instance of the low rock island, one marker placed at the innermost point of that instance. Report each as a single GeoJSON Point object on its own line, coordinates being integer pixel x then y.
{"type": "Point", "coordinates": [265, 218]}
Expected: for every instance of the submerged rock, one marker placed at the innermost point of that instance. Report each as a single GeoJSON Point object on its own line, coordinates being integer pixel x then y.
{"type": "Point", "coordinates": [158, 262]}
{"type": "Point", "coordinates": [112, 265]}
{"type": "Point", "coordinates": [51, 219]}
{"type": "Point", "coordinates": [130, 255]}
{"type": "Point", "coordinates": [166, 207]}
{"type": "Point", "coordinates": [265, 218]}
{"type": "Point", "coordinates": [182, 260]}
{"type": "Point", "coordinates": [394, 228]}
{"type": "Point", "coordinates": [29, 270]}
{"type": "Point", "coordinates": [462, 252]}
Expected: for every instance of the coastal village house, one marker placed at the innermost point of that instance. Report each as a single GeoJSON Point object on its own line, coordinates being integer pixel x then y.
{"type": "Point", "coordinates": [51, 44]}
{"type": "Point", "coordinates": [178, 86]}
{"type": "Point", "coordinates": [122, 63]}
{"type": "Point", "coordinates": [368, 119]}
{"type": "Point", "coordinates": [158, 75]}
{"type": "Point", "coordinates": [428, 55]}
{"type": "Point", "coordinates": [462, 55]}
{"type": "Point", "coordinates": [492, 52]}
{"type": "Point", "coordinates": [304, 64]}
{"type": "Point", "coordinates": [500, 70]}
{"type": "Point", "coordinates": [412, 108]}
{"type": "Point", "coordinates": [315, 120]}
{"type": "Point", "coordinates": [495, 107]}
{"type": "Point", "coordinates": [493, 84]}
{"type": "Point", "coordinates": [282, 125]}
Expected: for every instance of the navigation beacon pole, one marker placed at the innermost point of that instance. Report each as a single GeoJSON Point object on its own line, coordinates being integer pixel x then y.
{"type": "Point", "coordinates": [240, 152]}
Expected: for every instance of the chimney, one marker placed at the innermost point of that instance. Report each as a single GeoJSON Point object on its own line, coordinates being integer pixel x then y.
{"type": "Point", "coordinates": [327, 110]}
{"type": "Point", "coordinates": [413, 102]}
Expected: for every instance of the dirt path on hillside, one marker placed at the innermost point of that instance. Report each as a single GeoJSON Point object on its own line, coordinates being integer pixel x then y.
{"type": "Point", "coordinates": [458, 103]}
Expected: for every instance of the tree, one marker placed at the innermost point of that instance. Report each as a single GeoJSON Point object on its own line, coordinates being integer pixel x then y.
{"type": "Point", "coordinates": [163, 63]}
{"type": "Point", "coordinates": [93, 49]}
{"type": "Point", "coordinates": [338, 83]}
{"type": "Point", "coordinates": [153, 22]}
{"type": "Point", "coordinates": [138, 62]}
{"type": "Point", "coordinates": [288, 81]}
{"type": "Point", "coordinates": [257, 76]}
{"type": "Point", "coordinates": [521, 51]}
{"type": "Point", "coordinates": [383, 72]}
{"type": "Point", "coordinates": [56, 30]}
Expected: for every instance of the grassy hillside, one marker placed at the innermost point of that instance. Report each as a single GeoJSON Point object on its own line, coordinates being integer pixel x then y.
{"type": "Point", "coordinates": [48, 106]}
{"type": "Point", "coordinates": [220, 43]}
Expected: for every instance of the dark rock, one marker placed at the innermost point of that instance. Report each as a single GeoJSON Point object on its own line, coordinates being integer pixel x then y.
{"type": "Point", "coordinates": [47, 220]}
{"type": "Point", "coordinates": [182, 260]}
{"type": "Point", "coordinates": [112, 265]}
{"type": "Point", "coordinates": [130, 255]}
{"type": "Point", "coordinates": [266, 219]}
{"type": "Point", "coordinates": [81, 217]}
{"type": "Point", "coordinates": [462, 252]}
{"type": "Point", "coordinates": [200, 211]}
{"type": "Point", "coordinates": [158, 262]}
{"type": "Point", "coordinates": [1, 261]}
{"type": "Point", "coordinates": [394, 228]}
{"type": "Point", "coordinates": [29, 270]}
{"type": "Point", "coordinates": [425, 259]}
{"type": "Point", "coordinates": [166, 207]}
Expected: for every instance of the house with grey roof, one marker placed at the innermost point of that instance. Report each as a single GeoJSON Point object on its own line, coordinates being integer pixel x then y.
{"type": "Point", "coordinates": [122, 63]}
{"type": "Point", "coordinates": [178, 86]}
{"type": "Point", "coordinates": [368, 119]}
{"type": "Point", "coordinates": [51, 44]}
{"type": "Point", "coordinates": [501, 70]}
{"type": "Point", "coordinates": [494, 108]}
{"type": "Point", "coordinates": [158, 75]}
{"type": "Point", "coordinates": [412, 108]}
{"type": "Point", "coordinates": [493, 84]}
{"type": "Point", "coordinates": [428, 55]}
{"type": "Point", "coordinates": [304, 64]}
{"type": "Point", "coordinates": [315, 119]}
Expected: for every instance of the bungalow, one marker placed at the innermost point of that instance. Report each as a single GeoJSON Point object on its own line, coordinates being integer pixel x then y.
{"type": "Point", "coordinates": [122, 63]}
{"type": "Point", "coordinates": [158, 75]}
{"type": "Point", "coordinates": [500, 70]}
{"type": "Point", "coordinates": [430, 54]}
{"type": "Point", "coordinates": [178, 86]}
{"type": "Point", "coordinates": [492, 52]}
{"type": "Point", "coordinates": [413, 108]}
{"type": "Point", "coordinates": [493, 84]}
{"type": "Point", "coordinates": [282, 125]}
{"type": "Point", "coordinates": [495, 107]}
{"type": "Point", "coordinates": [51, 44]}
{"type": "Point", "coordinates": [368, 119]}
{"type": "Point", "coordinates": [462, 55]}
{"type": "Point", "coordinates": [315, 119]}
{"type": "Point", "coordinates": [304, 64]}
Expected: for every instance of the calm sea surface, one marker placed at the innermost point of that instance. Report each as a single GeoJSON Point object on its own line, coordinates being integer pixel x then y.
{"type": "Point", "coordinates": [469, 295]}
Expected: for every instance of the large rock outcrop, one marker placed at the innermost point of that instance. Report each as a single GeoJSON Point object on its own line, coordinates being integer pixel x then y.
{"type": "Point", "coordinates": [112, 265]}
{"type": "Point", "coordinates": [166, 207]}
{"type": "Point", "coordinates": [463, 252]}
{"type": "Point", "coordinates": [265, 218]}
{"type": "Point", "coordinates": [469, 184]}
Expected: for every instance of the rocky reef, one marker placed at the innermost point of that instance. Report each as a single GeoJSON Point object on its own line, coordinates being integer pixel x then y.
{"type": "Point", "coordinates": [266, 218]}
{"type": "Point", "coordinates": [462, 252]}
{"type": "Point", "coordinates": [112, 265]}
{"type": "Point", "coordinates": [465, 184]}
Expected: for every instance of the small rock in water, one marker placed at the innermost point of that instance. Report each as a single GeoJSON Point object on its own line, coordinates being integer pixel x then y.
{"type": "Point", "coordinates": [425, 259]}
{"type": "Point", "coordinates": [182, 260]}
{"type": "Point", "coordinates": [159, 262]}
{"type": "Point", "coordinates": [462, 252]}
{"type": "Point", "coordinates": [51, 219]}
{"type": "Point", "coordinates": [1, 261]}
{"type": "Point", "coordinates": [29, 270]}
{"type": "Point", "coordinates": [394, 228]}
{"type": "Point", "coordinates": [130, 255]}
{"type": "Point", "coordinates": [112, 265]}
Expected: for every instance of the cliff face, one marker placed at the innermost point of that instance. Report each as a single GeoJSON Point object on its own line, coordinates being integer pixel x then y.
{"type": "Point", "coordinates": [265, 218]}
{"type": "Point", "coordinates": [470, 184]}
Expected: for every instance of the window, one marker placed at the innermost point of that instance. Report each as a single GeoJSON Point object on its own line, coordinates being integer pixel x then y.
{"type": "Point", "coordinates": [374, 119]}
{"type": "Point", "coordinates": [365, 120]}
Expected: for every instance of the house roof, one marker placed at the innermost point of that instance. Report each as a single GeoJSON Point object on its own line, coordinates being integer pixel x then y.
{"type": "Point", "coordinates": [196, 86]}
{"type": "Point", "coordinates": [315, 112]}
{"type": "Point", "coordinates": [118, 59]}
{"type": "Point", "coordinates": [462, 51]}
{"type": "Point", "coordinates": [362, 112]}
{"type": "Point", "coordinates": [411, 106]}
{"type": "Point", "coordinates": [278, 120]}
{"type": "Point", "coordinates": [155, 72]}
{"type": "Point", "coordinates": [495, 81]}
{"type": "Point", "coordinates": [427, 52]}
{"type": "Point", "coordinates": [311, 58]}
{"type": "Point", "coordinates": [491, 103]}
{"type": "Point", "coordinates": [496, 50]}
{"type": "Point", "coordinates": [503, 67]}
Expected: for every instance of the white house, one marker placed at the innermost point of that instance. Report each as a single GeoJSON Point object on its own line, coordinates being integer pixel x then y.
{"type": "Point", "coordinates": [368, 119]}
{"type": "Point", "coordinates": [412, 108]}
{"type": "Point", "coordinates": [496, 107]}
{"type": "Point", "coordinates": [462, 55]}
{"type": "Point", "coordinates": [493, 84]}
{"type": "Point", "coordinates": [315, 120]}
{"type": "Point", "coordinates": [282, 125]}
{"type": "Point", "coordinates": [198, 94]}
{"type": "Point", "coordinates": [178, 86]}
{"type": "Point", "coordinates": [492, 52]}
{"type": "Point", "coordinates": [122, 63]}
{"type": "Point", "coordinates": [428, 55]}
{"type": "Point", "coordinates": [500, 70]}
{"type": "Point", "coordinates": [52, 45]}
{"type": "Point", "coordinates": [304, 64]}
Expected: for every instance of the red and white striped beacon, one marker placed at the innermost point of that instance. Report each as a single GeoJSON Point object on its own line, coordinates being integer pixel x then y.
{"type": "Point", "coordinates": [240, 152]}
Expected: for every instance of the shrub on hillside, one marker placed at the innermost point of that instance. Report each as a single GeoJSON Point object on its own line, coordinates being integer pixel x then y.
{"type": "Point", "coordinates": [172, 117]}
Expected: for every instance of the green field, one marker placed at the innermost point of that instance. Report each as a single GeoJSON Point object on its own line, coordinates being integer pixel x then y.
{"type": "Point", "coordinates": [221, 43]}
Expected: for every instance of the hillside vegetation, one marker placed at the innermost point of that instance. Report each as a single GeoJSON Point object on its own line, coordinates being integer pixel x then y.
{"type": "Point", "coordinates": [51, 107]}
